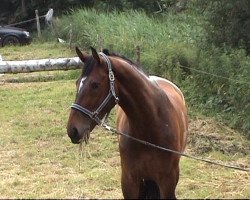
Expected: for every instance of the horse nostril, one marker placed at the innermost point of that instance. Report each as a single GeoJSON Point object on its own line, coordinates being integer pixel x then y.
{"type": "Point", "coordinates": [73, 134]}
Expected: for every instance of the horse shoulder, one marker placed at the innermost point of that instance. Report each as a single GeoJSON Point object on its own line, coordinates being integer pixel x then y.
{"type": "Point", "coordinates": [177, 99]}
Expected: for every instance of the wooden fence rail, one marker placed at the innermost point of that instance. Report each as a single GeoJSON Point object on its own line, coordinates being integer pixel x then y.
{"type": "Point", "coordinates": [40, 65]}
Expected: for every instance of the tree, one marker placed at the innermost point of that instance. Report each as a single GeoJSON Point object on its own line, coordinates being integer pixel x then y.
{"type": "Point", "coordinates": [229, 23]}
{"type": "Point", "coordinates": [18, 10]}
{"type": "Point", "coordinates": [24, 9]}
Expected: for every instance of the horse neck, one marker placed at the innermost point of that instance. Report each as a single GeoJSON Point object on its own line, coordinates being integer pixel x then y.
{"type": "Point", "coordinates": [140, 99]}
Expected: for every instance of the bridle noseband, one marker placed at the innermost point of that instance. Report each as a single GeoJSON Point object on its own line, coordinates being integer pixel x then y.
{"type": "Point", "coordinates": [94, 114]}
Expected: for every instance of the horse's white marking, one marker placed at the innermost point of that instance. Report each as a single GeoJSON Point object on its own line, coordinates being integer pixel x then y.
{"type": "Point", "coordinates": [81, 83]}
{"type": "Point", "coordinates": [152, 78]}
{"type": "Point", "coordinates": [155, 78]}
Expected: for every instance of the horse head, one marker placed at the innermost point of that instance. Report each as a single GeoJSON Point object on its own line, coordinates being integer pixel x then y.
{"type": "Point", "coordinates": [95, 95]}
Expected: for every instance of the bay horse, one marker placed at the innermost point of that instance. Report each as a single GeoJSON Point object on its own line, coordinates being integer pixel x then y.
{"type": "Point", "coordinates": [150, 108]}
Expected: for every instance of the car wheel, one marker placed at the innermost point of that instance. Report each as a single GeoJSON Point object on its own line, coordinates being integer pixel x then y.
{"type": "Point", "coordinates": [11, 40]}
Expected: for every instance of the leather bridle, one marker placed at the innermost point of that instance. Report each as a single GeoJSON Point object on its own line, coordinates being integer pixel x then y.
{"type": "Point", "coordinates": [94, 115]}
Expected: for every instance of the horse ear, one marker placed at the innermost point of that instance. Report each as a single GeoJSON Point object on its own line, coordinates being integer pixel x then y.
{"type": "Point", "coordinates": [106, 52]}
{"type": "Point", "coordinates": [81, 55]}
{"type": "Point", "coordinates": [95, 55]}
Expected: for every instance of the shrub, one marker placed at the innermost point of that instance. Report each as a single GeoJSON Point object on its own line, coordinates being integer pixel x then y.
{"type": "Point", "coordinates": [228, 91]}
{"type": "Point", "coordinates": [228, 22]}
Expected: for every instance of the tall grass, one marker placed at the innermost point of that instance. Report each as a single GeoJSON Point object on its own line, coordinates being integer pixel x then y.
{"type": "Point", "coordinates": [123, 31]}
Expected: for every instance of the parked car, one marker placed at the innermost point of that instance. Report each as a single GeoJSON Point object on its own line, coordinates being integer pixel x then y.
{"type": "Point", "coordinates": [14, 36]}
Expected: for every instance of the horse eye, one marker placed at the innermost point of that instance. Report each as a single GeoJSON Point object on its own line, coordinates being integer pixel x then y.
{"type": "Point", "coordinates": [95, 85]}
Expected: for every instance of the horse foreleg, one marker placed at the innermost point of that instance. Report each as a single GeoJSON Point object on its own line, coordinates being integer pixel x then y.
{"type": "Point", "coordinates": [168, 185]}
{"type": "Point", "coordinates": [130, 187]}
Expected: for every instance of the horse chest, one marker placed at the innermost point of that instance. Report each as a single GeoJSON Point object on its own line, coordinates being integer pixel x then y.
{"type": "Point", "coordinates": [146, 164]}
{"type": "Point", "coordinates": [132, 152]}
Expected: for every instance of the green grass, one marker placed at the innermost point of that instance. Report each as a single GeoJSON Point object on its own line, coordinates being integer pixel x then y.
{"type": "Point", "coordinates": [36, 50]}
{"type": "Point", "coordinates": [37, 157]}
{"type": "Point", "coordinates": [39, 161]}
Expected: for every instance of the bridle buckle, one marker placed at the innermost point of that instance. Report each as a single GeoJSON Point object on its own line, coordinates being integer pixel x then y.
{"type": "Point", "coordinates": [111, 76]}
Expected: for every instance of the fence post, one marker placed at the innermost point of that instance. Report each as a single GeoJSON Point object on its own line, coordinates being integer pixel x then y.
{"type": "Point", "coordinates": [38, 25]}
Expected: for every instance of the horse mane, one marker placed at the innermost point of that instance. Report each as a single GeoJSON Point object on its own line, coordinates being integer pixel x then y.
{"type": "Point", "coordinates": [131, 62]}
{"type": "Point", "coordinates": [88, 65]}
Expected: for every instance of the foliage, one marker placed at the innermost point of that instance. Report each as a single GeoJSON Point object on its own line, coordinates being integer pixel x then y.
{"type": "Point", "coordinates": [228, 22]}
{"type": "Point", "coordinates": [224, 88]}
{"type": "Point", "coordinates": [19, 10]}
{"type": "Point", "coordinates": [122, 31]}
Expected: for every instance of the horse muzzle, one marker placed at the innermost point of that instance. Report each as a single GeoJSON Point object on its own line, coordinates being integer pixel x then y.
{"type": "Point", "coordinates": [77, 136]}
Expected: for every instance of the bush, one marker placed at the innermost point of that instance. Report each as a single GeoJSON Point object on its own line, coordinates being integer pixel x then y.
{"type": "Point", "coordinates": [228, 22]}
{"type": "Point", "coordinates": [227, 92]}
